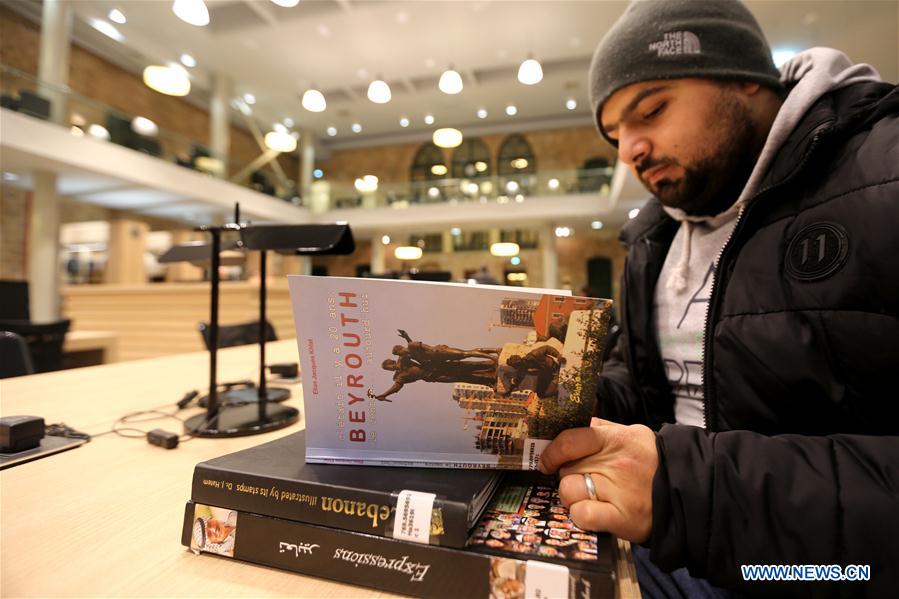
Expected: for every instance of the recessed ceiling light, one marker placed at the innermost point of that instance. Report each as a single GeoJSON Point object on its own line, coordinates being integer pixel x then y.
{"type": "Point", "coordinates": [288, 122]}
{"type": "Point", "coordinates": [553, 184]}
{"type": "Point", "coordinates": [357, 128]}
{"type": "Point", "coordinates": [514, 260]}
{"type": "Point", "coordinates": [563, 232]}
{"type": "Point", "coordinates": [332, 131]}
{"type": "Point", "coordinates": [286, 3]}
{"type": "Point", "coordinates": [402, 17]}
{"type": "Point", "coordinates": [188, 60]}
{"type": "Point", "coordinates": [570, 103]}
{"type": "Point", "coordinates": [249, 99]}
{"type": "Point", "coordinates": [429, 119]}
{"type": "Point", "coordinates": [511, 110]}
{"type": "Point", "coordinates": [404, 122]}
{"type": "Point", "coordinates": [455, 231]}
{"type": "Point", "coordinates": [117, 16]}
{"type": "Point", "coordinates": [385, 239]}
{"type": "Point", "coordinates": [318, 173]}
{"type": "Point", "coordinates": [324, 30]}
{"type": "Point", "coordinates": [597, 225]}
{"type": "Point", "coordinates": [106, 29]}
{"type": "Point", "coordinates": [482, 113]}
{"type": "Point", "coordinates": [193, 12]}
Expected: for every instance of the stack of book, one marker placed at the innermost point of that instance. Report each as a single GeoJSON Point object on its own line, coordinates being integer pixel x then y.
{"type": "Point", "coordinates": [409, 476]}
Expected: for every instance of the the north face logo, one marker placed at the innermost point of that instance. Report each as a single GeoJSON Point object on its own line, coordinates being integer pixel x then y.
{"type": "Point", "coordinates": [676, 43]}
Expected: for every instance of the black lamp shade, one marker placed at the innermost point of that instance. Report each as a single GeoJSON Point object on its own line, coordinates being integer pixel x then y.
{"type": "Point", "coordinates": [308, 239]}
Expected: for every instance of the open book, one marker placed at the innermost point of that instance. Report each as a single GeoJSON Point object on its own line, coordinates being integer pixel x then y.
{"type": "Point", "coordinates": [408, 373]}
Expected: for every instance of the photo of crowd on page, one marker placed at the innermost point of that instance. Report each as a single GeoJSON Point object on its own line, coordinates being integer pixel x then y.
{"type": "Point", "coordinates": [530, 520]}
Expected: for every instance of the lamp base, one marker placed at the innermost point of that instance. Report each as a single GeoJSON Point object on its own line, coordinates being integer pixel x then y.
{"type": "Point", "coordinates": [240, 421]}
{"type": "Point", "coordinates": [245, 395]}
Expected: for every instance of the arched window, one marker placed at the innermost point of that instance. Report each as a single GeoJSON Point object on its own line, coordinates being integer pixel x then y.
{"type": "Point", "coordinates": [427, 174]}
{"type": "Point", "coordinates": [472, 166]}
{"type": "Point", "coordinates": [516, 166]}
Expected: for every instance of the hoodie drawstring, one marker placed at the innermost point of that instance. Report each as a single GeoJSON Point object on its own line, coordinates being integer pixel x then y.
{"type": "Point", "coordinates": [677, 282]}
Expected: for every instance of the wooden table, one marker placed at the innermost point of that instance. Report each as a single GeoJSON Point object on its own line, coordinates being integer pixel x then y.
{"type": "Point", "coordinates": [81, 348]}
{"type": "Point", "coordinates": [104, 519]}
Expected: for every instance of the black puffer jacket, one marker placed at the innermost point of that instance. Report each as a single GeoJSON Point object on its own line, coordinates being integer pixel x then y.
{"type": "Point", "coordinates": [800, 460]}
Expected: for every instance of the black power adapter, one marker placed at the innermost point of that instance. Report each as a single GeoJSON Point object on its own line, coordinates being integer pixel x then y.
{"type": "Point", "coordinates": [162, 438]}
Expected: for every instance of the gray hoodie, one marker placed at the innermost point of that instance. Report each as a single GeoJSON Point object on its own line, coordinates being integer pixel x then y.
{"type": "Point", "coordinates": [685, 282]}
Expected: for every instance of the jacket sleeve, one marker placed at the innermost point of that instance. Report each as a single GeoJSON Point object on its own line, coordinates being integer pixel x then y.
{"type": "Point", "coordinates": [722, 500]}
{"type": "Point", "coordinates": [616, 397]}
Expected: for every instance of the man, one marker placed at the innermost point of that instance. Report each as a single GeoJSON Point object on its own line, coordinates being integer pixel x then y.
{"type": "Point", "coordinates": [760, 310]}
{"type": "Point", "coordinates": [424, 353]}
{"type": "Point", "coordinates": [406, 370]}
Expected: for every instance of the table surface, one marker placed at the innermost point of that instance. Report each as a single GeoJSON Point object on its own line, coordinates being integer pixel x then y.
{"type": "Point", "coordinates": [104, 519]}
{"type": "Point", "coordinates": [107, 341]}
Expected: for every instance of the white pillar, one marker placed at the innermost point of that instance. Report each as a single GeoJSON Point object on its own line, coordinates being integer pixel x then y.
{"type": "Point", "coordinates": [53, 63]}
{"type": "Point", "coordinates": [378, 262]}
{"type": "Point", "coordinates": [220, 122]}
{"type": "Point", "coordinates": [307, 163]}
{"type": "Point", "coordinates": [43, 250]}
{"type": "Point", "coordinates": [549, 257]}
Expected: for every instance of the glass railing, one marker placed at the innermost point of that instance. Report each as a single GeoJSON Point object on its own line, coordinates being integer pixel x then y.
{"type": "Point", "coordinates": [502, 189]}
{"type": "Point", "coordinates": [85, 116]}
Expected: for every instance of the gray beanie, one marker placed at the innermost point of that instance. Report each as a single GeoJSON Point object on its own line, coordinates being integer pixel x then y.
{"type": "Point", "coordinates": [676, 39]}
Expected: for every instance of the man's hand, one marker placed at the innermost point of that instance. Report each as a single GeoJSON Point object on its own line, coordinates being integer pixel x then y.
{"type": "Point", "coordinates": [622, 461]}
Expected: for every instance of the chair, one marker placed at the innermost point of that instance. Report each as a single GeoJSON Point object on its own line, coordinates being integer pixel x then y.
{"type": "Point", "coordinates": [14, 300]}
{"type": "Point", "coordinates": [15, 359]}
{"type": "Point", "coordinates": [45, 341]}
{"type": "Point", "coordinates": [245, 333]}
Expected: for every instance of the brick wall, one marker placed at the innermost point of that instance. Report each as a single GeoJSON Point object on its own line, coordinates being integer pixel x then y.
{"type": "Point", "coordinates": [14, 207]}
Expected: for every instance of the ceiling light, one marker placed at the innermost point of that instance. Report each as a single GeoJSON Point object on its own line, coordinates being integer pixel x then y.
{"type": "Point", "coordinates": [106, 29]}
{"type": "Point", "coordinates": [117, 16]}
{"type": "Point", "coordinates": [633, 213]}
{"type": "Point", "coordinates": [286, 3]}
{"type": "Point", "coordinates": [98, 131]}
{"type": "Point", "coordinates": [433, 192]}
{"type": "Point", "coordinates": [482, 113]}
{"type": "Point", "coordinates": [332, 131]}
{"type": "Point", "coordinates": [324, 30]}
{"type": "Point", "coordinates": [288, 122]}
{"type": "Point", "coordinates": [280, 141]}
{"type": "Point", "coordinates": [596, 225]}
{"type": "Point", "coordinates": [570, 103]}
{"type": "Point", "coordinates": [249, 99]}
{"type": "Point", "coordinates": [402, 17]}
{"type": "Point", "coordinates": [455, 231]}
{"type": "Point", "coordinates": [318, 173]}
{"type": "Point", "coordinates": [429, 119]}
{"type": "Point", "coordinates": [193, 12]}
{"type": "Point", "coordinates": [480, 166]}
{"type": "Point", "coordinates": [511, 110]}
{"type": "Point", "coordinates": [385, 239]}
{"type": "Point", "coordinates": [379, 92]}
{"type": "Point", "coordinates": [515, 260]}
{"type": "Point", "coordinates": [404, 122]}
{"type": "Point", "coordinates": [10, 177]}
{"type": "Point", "coordinates": [512, 186]}
{"type": "Point", "coordinates": [782, 55]}
{"type": "Point", "coordinates": [530, 72]}
{"type": "Point", "coordinates": [553, 184]}
{"type": "Point", "coordinates": [504, 249]}
{"type": "Point", "coordinates": [447, 137]}
{"type": "Point", "coordinates": [520, 163]}
{"type": "Point", "coordinates": [314, 101]}
{"type": "Point", "coordinates": [439, 170]}
{"type": "Point", "coordinates": [144, 126]}
{"type": "Point", "coordinates": [407, 252]}
{"type": "Point", "coordinates": [472, 188]}
{"type": "Point", "coordinates": [166, 80]}
{"type": "Point", "coordinates": [368, 183]}
{"type": "Point", "coordinates": [188, 60]}
{"type": "Point", "coordinates": [356, 127]}
{"type": "Point", "coordinates": [563, 232]}
{"type": "Point", "coordinates": [279, 127]}
{"type": "Point", "coordinates": [450, 81]}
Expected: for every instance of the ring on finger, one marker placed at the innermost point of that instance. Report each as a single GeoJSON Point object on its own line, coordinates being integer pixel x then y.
{"type": "Point", "coordinates": [591, 488]}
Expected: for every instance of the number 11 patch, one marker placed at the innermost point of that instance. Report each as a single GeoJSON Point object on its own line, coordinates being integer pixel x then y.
{"type": "Point", "coordinates": [817, 251]}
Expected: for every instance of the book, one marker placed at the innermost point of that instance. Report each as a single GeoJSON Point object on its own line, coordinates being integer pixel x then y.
{"type": "Point", "coordinates": [272, 480]}
{"type": "Point", "coordinates": [522, 547]}
{"type": "Point", "coordinates": [411, 373]}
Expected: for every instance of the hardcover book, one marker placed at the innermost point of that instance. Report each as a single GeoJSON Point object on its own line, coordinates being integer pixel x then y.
{"type": "Point", "coordinates": [525, 545]}
{"type": "Point", "coordinates": [409, 373]}
{"type": "Point", "coordinates": [272, 480]}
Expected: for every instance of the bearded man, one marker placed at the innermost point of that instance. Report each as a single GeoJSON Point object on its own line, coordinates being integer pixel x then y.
{"type": "Point", "coordinates": [760, 317]}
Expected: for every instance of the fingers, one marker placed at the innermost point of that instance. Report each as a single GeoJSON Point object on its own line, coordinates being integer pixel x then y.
{"type": "Point", "coordinates": [571, 444]}
{"type": "Point", "coordinates": [573, 488]}
{"type": "Point", "coordinates": [597, 516]}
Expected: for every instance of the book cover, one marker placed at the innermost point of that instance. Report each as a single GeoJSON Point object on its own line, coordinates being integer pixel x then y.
{"type": "Point", "coordinates": [522, 562]}
{"type": "Point", "coordinates": [408, 373]}
{"type": "Point", "coordinates": [271, 479]}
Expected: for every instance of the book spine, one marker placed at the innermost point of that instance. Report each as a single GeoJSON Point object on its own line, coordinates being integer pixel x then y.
{"type": "Point", "coordinates": [385, 564]}
{"type": "Point", "coordinates": [337, 507]}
